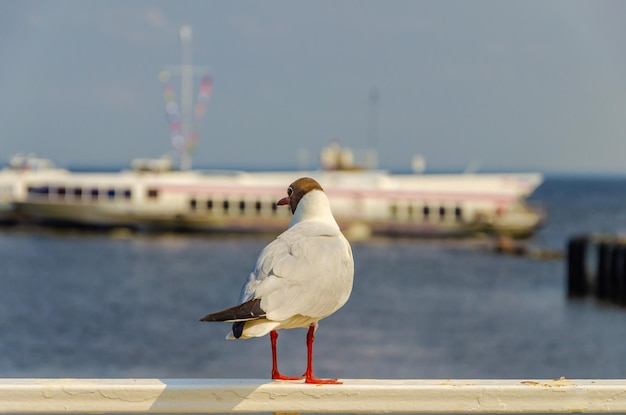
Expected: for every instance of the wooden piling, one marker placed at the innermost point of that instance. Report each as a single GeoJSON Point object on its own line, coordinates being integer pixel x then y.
{"type": "Point", "coordinates": [603, 279]}
{"type": "Point", "coordinates": [618, 286]}
{"type": "Point", "coordinates": [614, 294]}
{"type": "Point", "coordinates": [608, 282]}
{"type": "Point", "coordinates": [576, 267]}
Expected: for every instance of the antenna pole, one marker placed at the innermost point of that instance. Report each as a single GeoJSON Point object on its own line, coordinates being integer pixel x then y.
{"type": "Point", "coordinates": [186, 96]}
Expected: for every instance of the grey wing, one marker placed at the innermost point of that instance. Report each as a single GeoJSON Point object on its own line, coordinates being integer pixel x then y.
{"type": "Point", "coordinates": [262, 269]}
{"type": "Point", "coordinates": [314, 279]}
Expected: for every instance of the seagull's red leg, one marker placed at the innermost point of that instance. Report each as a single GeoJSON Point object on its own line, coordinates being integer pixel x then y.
{"type": "Point", "coordinates": [275, 374]}
{"type": "Point", "coordinates": [308, 375]}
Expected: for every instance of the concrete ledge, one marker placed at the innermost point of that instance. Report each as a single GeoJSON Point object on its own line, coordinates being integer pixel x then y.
{"type": "Point", "coordinates": [354, 396]}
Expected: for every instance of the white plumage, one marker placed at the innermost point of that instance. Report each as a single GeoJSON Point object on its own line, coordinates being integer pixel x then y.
{"type": "Point", "coordinates": [301, 277]}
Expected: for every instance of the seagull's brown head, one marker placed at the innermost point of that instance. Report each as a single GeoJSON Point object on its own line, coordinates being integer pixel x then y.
{"type": "Point", "coordinates": [297, 190]}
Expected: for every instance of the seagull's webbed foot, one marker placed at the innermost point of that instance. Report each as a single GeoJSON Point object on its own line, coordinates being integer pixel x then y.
{"type": "Point", "coordinates": [316, 381]}
{"type": "Point", "coordinates": [278, 376]}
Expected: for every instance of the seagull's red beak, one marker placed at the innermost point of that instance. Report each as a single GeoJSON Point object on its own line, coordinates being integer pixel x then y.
{"type": "Point", "coordinates": [283, 201]}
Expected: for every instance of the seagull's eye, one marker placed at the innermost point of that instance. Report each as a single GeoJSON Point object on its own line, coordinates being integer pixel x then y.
{"type": "Point", "coordinates": [289, 191]}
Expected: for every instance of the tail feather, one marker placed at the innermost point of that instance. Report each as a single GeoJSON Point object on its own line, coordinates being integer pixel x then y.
{"type": "Point", "coordinates": [250, 310]}
{"type": "Point", "coordinates": [238, 329]}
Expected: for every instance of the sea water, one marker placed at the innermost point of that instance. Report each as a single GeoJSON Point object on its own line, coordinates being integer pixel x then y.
{"type": "Point", "coordinates": [77, 304]}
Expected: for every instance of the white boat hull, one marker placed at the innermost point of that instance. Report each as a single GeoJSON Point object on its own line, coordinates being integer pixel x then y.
{"type": "Point", "coordinates": [364, 203]}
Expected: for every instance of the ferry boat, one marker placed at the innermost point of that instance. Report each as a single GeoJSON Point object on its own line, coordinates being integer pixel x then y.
{"type": "Point", "coordinates": [152, 196]}
{"type": "Point", "coordinates": [22, 172]}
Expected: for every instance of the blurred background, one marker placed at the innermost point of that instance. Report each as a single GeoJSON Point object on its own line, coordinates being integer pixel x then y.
{"type": "Point", "coordinates": [513, 86]}
{"type": "Point", "coordinates": [472, 86]}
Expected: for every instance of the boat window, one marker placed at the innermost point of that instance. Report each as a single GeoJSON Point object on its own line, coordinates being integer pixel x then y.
{"type": "Point", "coordinates": [153, 193]}
{"type": "Point", "coordinates": [257, 206]}
{"type": "Point", "coordinates": [127, 194]}
{"type": "Point", "coordinates": [274, 207]}
{"type": "Point", "coordinates": [193, 203]}
{"type": "Point", "coordinates": [426, 211]}
{"type": "Point", "coordinates": [61, 191]}
{"type": "Point", "coordinates": [111, 193]}
{"type": "Point", "coordinates": [43, 190]}
{"type": "Point", "coordinates": [442, 212]}
{"type": "Point", "coordinates": [226, 204]}
{"type": "Point", "coordinates": [458, 213]}
{"type": "Point", "coordinates": [209, 204]}
{"type": "Point", "coordinates": [94, 193]}
{"type": "Point", "coordinates": [242, 206]}
{"type": "Point", "coordinates": [78, 192]}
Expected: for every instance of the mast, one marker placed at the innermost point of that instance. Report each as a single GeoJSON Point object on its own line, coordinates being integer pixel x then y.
{"type": "Point", "coordinates": [186, 95]}
{"type": "Point", "coordinates": [185, 118]}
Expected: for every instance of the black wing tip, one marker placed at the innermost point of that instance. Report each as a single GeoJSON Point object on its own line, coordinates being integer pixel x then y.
{"type": "Point", "coordinates": [218, 316]}
{"type": "Point", "coordinates": [250, 310]}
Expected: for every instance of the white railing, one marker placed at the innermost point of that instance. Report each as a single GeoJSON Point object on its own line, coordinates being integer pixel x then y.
{"type": "Point", "coordinates": [133, 396]}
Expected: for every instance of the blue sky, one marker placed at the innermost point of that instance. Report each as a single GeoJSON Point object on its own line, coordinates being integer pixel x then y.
{"type": "Point", "coordinates": [533, 85]}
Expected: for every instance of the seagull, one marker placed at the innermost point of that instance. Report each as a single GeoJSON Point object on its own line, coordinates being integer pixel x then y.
{"type": "Point", "coordinates": [301, 277]}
